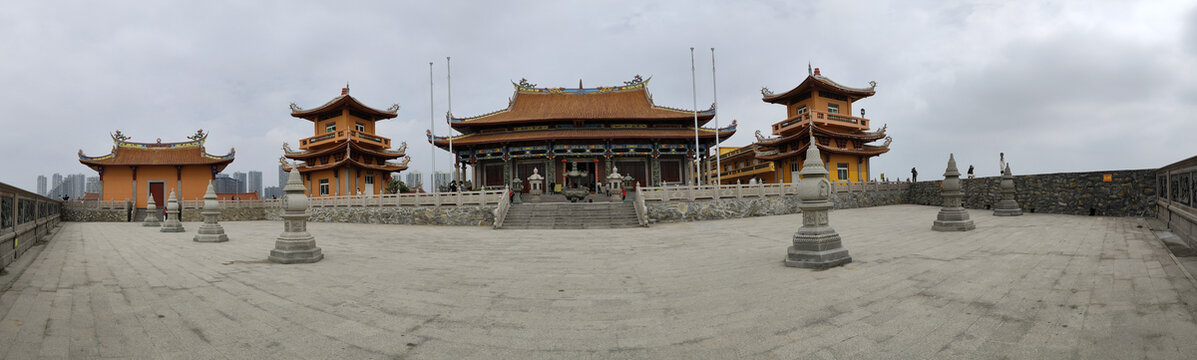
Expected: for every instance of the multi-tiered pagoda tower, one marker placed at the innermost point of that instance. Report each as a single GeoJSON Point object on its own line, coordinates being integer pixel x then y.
{"type": "Point", "coordinates": [545, 129]}
{"type": "Point", "coordinates": [841, 138]}
{"type": "Point", "coordinates": [345, 157]}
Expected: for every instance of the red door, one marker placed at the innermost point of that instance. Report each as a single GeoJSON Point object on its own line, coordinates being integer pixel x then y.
{"type": "Point", "coordinates": [156, 192]}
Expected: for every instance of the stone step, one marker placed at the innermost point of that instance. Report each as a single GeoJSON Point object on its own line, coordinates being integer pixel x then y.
{"type": "Point", "coordinates": [598, 215]}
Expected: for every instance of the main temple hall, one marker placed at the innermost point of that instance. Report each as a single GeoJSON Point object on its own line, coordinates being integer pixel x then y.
{"type": "Point", "coordinates": [601, 129]}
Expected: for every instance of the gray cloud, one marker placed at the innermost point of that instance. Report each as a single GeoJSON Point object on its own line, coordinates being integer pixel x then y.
{"type": "Point", "coordinates": [1060, 86]}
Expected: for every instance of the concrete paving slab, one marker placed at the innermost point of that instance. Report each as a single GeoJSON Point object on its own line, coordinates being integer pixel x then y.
{"type": "Point", "coordinates": [1031, 286]}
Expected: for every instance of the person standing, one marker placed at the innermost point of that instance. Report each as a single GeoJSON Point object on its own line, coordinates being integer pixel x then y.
{"type": "Point", "coordinates": [914, 175]}
{"type": "Point", "coordinates": [970, 172]}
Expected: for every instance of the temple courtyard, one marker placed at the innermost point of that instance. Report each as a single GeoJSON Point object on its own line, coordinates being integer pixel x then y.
{"type": "Point", "coordinates": [1033, 286]}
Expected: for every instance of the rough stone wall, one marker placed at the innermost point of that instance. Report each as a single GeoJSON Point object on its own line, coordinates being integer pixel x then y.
{"type": "Point", "coordinates": [466, 215]}
{"type": "Point", "coordinates": [229, 214]}
{"type": "Point", "coordinates": [700, 210]}
{"type": "Point", "coordinates": [1130, 193]}
{"type": "Point", "coordinates": [94, 215]}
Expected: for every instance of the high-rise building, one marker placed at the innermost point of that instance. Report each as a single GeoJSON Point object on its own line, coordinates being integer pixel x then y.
{"type": "Point", "coordinates": [56, 182]}
{"type": "Point", "coordinates": [242, 180]}
{"type": "Point", "coordinates": [441, 180]}
{"type": "Point", "coordinates": [75, 184]}
{"type": "Point", "coordinates": [414, 180]}
{"type": "Point", "coordinates": [224, 184]}
{"type": "Point", "coordinates": [253, 182]}
{"type": "Point", "coordinates": [272, 192]}
{"type": "Point", "coordinates": [41, 185]}
{"type": "Point", "coordinates": [93, 185]}
{"type": "Point", "coordinates": [282, 177]}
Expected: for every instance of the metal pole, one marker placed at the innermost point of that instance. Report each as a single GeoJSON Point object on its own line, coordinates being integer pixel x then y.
{"type": "Point", "coordinates": [449, 114]}
{"type": "Point", "coordinates": [694, 87]}
{"type": "Point", "coordinates": [715, 93]}
{"type": "Point", "coordinates": [432, 127]}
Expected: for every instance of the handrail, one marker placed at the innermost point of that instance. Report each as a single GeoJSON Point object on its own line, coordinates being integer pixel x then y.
{"type": "Point", "coordinates": [641, 209]}
{"type": "Point", "coordinates": [501, 210]}
{"type": "Point", "coordinates": [731, 191]}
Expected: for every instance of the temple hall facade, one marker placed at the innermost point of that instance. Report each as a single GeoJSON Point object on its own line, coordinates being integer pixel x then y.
{"type": "Point", "coordinates": [547, 130]}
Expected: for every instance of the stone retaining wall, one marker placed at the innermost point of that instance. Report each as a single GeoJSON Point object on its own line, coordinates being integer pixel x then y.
{"type": "Point", "coordinates": [233, 214]}
{"type": "Point", "coordinates": [94, 215]}
{"type": "Point", "coordinates": [465, 215]}
{"type": "Point", "coordinates": [1130, 193]}
{"type": "Point", "coordinates": [700, 210]}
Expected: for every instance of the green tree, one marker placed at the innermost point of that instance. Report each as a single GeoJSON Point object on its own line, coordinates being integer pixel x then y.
{"type": "Point", "coordinates": [396, 187]}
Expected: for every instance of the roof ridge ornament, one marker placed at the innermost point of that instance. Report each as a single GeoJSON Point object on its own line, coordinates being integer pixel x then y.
{"type": "Point", "coordinates": [295, 108]}
{"type": "Point", "coordinates": [118, 137]}
{"type": "Point", "coordinates": [872, 84]}
{"type": "Point", "coordinates": [199, 136]}
{"type": "Point", "coordinates": [636, 80]}
{"type": "Point", "coordinates": [765, 92]}
{"type": "Point", "coordinates": [393, 108]}
{"type": "Point", "coordinates": [525, 84]}
{"type": "Point", "coordinates": [345, 90]}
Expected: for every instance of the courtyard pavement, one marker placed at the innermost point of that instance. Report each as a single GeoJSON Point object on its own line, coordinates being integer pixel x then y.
{"type": "Point", "coordinates": [1035, 286]}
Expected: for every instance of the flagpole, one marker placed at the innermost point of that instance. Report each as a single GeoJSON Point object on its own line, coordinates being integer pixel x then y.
{"type": "Point", "coordinates": [432, 128]}
{"type": "Point", "coordinates": [694, 87]}
{"type": "Point", "coordinates": [449, 114]}
{"type": "Point", "coordinates": [715, 93]}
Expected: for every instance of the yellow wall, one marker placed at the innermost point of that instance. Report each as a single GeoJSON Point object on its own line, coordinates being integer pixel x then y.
{"type": "Point", "coordinates": [818, 103]}
{"type": "Point", "coordinates": [344, 122]}
{"type": "Point", "coordinates": [118, 184]}
{"type": "Point", "coordinates": [314, 185]}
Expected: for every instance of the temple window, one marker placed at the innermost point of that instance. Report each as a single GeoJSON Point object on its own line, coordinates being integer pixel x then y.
{"type": "Point", "coordinates": [330, 127]}
{"type": "Point", "coordinates": [359, 127]}
{"type": "Point", "coordinates": [801, 110]}
{"type": "Point", "coordinates": [841, 171]}
{"type": "Point", "coordinates": [323, 186]}
{"type": "Point", "coordinates": [833, 108]}
{"type": "Point", "coordinates": [793, 167]}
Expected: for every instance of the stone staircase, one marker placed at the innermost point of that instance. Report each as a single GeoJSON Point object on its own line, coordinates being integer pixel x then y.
{"type": "Point", "coordinates": [563, 215]}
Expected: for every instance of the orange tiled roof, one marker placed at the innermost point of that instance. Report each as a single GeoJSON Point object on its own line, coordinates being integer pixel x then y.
{"type": "Point", "coordinates": [819, 82]}
{"type": "Point", "coordinates": [341, 102]}
{"type": "Point", "coordinates": [157, 154]}
{"type": "Point", "coordinates": [610, 103]}
{"type": "Point", "coordinates": [340, 148]}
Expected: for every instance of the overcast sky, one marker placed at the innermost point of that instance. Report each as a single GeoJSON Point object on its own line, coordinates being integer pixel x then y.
{"type": "Point", "coordinates": [1059, 86]}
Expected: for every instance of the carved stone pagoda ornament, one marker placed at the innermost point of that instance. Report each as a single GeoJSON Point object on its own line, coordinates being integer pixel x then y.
{"type": "Point", "coordinates": [816, 244]}
{"type": "Point", "coordinates": [172, 223]}
{"type": "Point", "coordinates": [210, 230]}
{"type": "Point", "coordinates": [1007, 206]}
{"type": "Point", "coordinates": [952, 217]}
{"type": "Point", "coordinates": [295, 244]}
{"type": "Point", "coordinates": [151, 214]}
